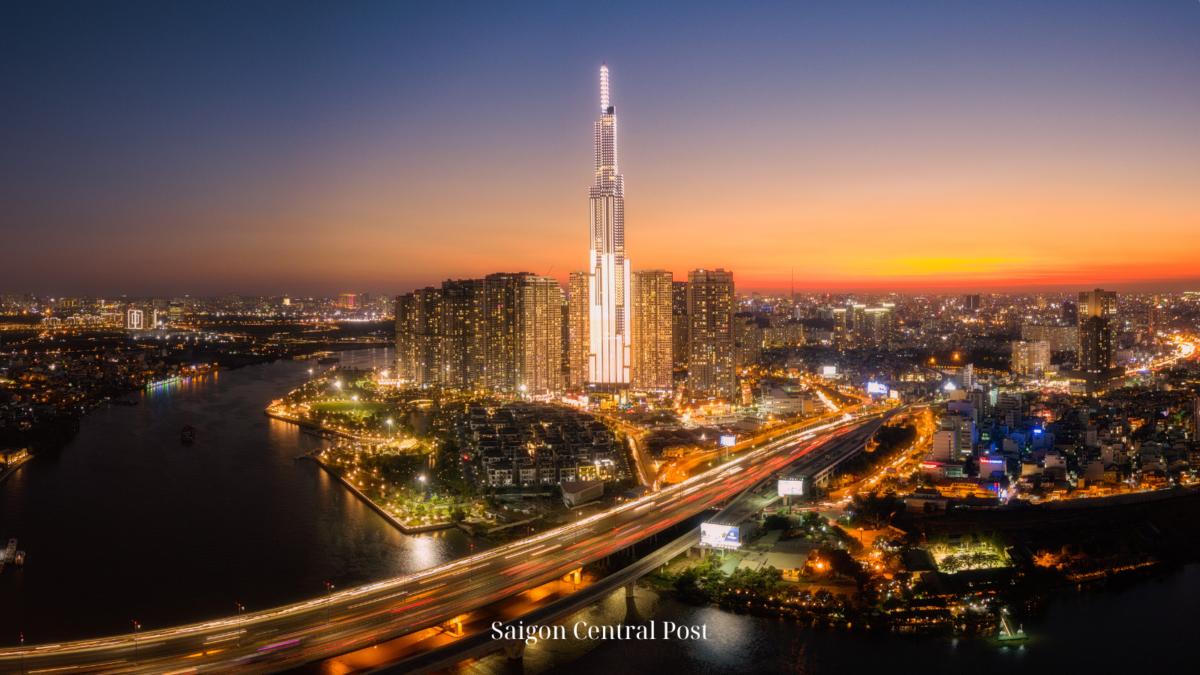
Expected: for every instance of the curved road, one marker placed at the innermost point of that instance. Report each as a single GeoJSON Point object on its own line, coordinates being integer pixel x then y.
{"type": "Point", "coordinates": [286, 637]}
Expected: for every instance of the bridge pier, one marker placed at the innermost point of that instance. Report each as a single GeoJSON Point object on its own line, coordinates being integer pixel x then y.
{"type": "Point", "coordinates": [629, 590]}
{"type": "Point", "coordinates": [515, 650]}
{"type": "Point", "coordinates": [454, 627]}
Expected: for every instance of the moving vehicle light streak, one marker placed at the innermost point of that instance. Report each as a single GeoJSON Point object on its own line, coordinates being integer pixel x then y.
{"type": "Point", "coordinates": [285, 637]}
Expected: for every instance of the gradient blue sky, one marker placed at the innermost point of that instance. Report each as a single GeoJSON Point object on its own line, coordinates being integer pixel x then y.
{"type": "Point", "coordinates": [313, 148]}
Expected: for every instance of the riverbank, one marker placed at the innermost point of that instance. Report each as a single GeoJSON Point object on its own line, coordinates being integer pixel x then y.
{"type": "Point", "coordinates": [12, 468]}
{"type": "Point", "coordinates": [232, 513]}
{"type": "Point", "coordinates": [393, 520]}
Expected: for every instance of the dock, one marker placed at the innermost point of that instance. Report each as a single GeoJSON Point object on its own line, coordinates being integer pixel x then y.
{"type": "Point", "coordinates": [1007, 634]}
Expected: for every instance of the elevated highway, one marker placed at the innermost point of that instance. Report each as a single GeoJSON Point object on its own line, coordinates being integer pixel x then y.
{"type": "Point", "coordinates": [286, 637]}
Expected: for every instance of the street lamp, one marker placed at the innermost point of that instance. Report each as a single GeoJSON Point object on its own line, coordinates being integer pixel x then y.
{"type": "Point", "coordinates": [328, 599]}
{"type": "Point", "coordinates": [239, 623]}
{"type": "Point", "coordinates": [136, 626]}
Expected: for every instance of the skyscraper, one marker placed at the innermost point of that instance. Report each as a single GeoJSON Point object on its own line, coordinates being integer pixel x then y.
{"type": "Point", "coordinates": [710, 321]}
{"type": "Point", "coordinates": [1097, 319]}
{"type": "Point", "coordinates": [747, 340]}
{"type": "Point", "coordinates": [502, 332]}
{"type": "Point", "coordinates": [877, 325]}
{"type": "Point", "coordinates": [1030, 356]}
{"type": "Point", "coordinates": [462, 337]}
{"type": "Point", "coordinates": [499, 321]}
{"type": "Point", "coordinates": [578, 334]}
{"type": "Point", "coordinates": [680, 321]}
{"type": "Point", "coordinates": [652, 330]}
{"type": "Point", "coordinates": [419, 336]}
{"type": "Point", "coordinates": [608, 291]}
{"type": "Point", "coordinates": [539, 335]}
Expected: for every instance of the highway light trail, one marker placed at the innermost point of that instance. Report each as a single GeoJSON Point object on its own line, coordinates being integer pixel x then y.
{"type": "Point", "coordinates": [285, 637]}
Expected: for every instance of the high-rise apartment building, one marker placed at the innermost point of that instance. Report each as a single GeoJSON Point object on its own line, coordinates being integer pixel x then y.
{"type": "Point", "coordinates": [964, 378]}
{"type": "Point", "coordinates": [679, 317]}
{"type": "Point", "coordinates": [1061, 338]}
{"type": "Point", "coordinates": [579, 335]}
{"type": "Point", "coordinates": [419, 336]}
{"type": "Point", "coordinates": [1030, 357]}
{"type": "Point", "coordinates": [748, 339]}
{"type": "Point", "coordinates": [502, 332]}
{"type": "Point", "coordinates": [608, 293]}
{"type": "Point", "coordinates": [711, 304]}
{"type": "Point", "coordinates": [1097, 303]}
{"type": "Point", "coordinates": [500, 306]}
{"type": "Point", "coordinates": [857, 317]}
{"type": "Point", "coordinates": [653, 364]}
{"type": "Point", "coordinates": [841, 327]}
{"type": "Point", "coordinates": [1097, 323]}
{"type": "Point", "coordinates": [877, 325]}
{"type": "Point", "coordinates": [539, 335]}
{"type": "Point", "coordinates": [461, 333]}
{"type": "Point", "coordinates": [347, 301]}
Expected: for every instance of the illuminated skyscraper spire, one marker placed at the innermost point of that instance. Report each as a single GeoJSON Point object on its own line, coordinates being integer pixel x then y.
{"type": "Point", "coordinates": [608, 287]}
{"type": "Point", "coordinates": [603, 88]}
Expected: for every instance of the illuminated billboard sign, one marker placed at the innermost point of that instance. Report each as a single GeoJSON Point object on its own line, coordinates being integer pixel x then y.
{"type": "Point", "coordinates": [877, 388]}
{"type": "Point", "coordinates": [720, 536]}
{"type": "Point", "coordinates": [828, 371]}
{"type": "Point", "coordinates": [894, 394]}
{"type": "Point", "coordinates": [729, 441]}
{"type": "Point", "coordinates": [790, 486]}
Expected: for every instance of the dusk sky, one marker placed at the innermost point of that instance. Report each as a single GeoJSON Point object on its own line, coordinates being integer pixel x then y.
{"type": "Point", "coordinates": [162, 148]}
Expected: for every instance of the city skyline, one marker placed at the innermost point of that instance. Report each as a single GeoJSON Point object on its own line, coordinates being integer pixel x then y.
{"type": "Point", "coordinates": [302, 367]}
{"type": "Point", "coordinates": [1023, 151]}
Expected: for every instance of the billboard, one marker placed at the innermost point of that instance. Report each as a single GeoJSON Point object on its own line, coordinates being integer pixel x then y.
{"type": "Point", "coordinates": [828, 371]}
{"type": "Point", "coordinates": [790, 486]}
{"type": "Point", "coordinates": [721, 536]}
{"type": "Point", "coordinates": [877, 388]}
{"type": "Point", "coordinates": [894, 394]}
{"type": "Point", "coordinates": [728, 441]}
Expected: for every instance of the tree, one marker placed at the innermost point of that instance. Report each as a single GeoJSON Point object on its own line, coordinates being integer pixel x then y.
{"type": "Point", "coordinates": [841, 563]}
{"type": "Point", "coordinates": [687, 586]}
{"type": "Point", "coordinates": [777, 521]}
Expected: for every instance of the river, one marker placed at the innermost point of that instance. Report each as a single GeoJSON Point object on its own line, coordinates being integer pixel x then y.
{"type": "Point", "coordinates": [1147, 626]}
{"type": "Point", "coordinates": [126, 523]}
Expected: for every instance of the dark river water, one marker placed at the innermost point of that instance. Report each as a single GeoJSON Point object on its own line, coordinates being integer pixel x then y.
{"type": "Point", "coordinates": [1147, 627]}
{"type": "Point", "coordinates": [126, 523]}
